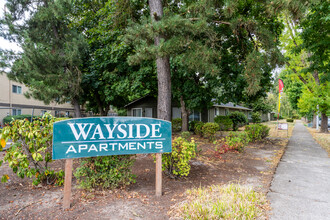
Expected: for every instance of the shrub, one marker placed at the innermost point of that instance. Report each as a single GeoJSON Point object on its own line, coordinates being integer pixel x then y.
{"type": "Point", "coordinates": [176, 163]}
{"type": "Point", "coordinates": [238, 119]}
{"type": "Point", "coordinates": [176, 124]}
{"type": "Point", "coordinates": [106, 172]}
{"type": "Point", "coordinates": [30, 154]}
{"type": "Point", "coordinates": [289, 120]}
{"type": "Point", "coordinates": [8, 119]}
{"type": "Point", "coordinates": [256, 117]}
{"type": "Point", "coordinates": [186, 135]}
{"type": "Point", "coordinates": [257, 132]}
{"type": "Point", "coordinates": [209, 129]}
{"type": "Point", "coordinates": [224, 122]}
{"type": "Point", "coordinates": [192, 125]}
{"type": "Point", "coordinates": [198, 128]}
{"type": "Point", "coordinates": [237, 140]}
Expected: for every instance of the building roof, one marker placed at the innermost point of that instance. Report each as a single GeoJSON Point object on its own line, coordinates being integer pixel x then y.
{"type": "Point", "coordinates": [231, 105]}
{"type": "Point", "coordinates": [136, 100]}
{"type": "Point", "coordinates": [227, 105]}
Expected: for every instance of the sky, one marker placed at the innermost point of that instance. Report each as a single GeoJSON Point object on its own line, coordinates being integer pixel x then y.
{"type": "Point", "coordinates": [4, 44]}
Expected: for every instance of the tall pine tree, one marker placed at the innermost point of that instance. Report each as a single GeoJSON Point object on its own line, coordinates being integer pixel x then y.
{"type": "Point", "coordinates": [50, 62]}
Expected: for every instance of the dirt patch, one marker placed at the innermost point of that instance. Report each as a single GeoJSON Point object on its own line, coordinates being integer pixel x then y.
{"type": "Point", "coordinates": [254, 167]}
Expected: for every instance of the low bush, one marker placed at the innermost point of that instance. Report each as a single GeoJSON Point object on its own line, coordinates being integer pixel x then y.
{"type": "Point", "coordinates": [176, 163]}
{"type": "Point", "coordinates": [8, 119]}
{"type": "Point", "coordinates": [289, 120]}
{"type": "Point", "coordinates": [256, 117]}
{"type": "Point", "coordinates": [177, 124]}
{"type": "Point", "coordinates": [237, 141]}
{"type": "Point", "coordinates": [186, 135]}
{"type": "Point", "coordinates": [209, 129]}
{"type": "Point", "coordinates": [238, 118]}
{"type": "Point", "coordinates": [257, 132]}
{"type": "Point", "coordinates": [198, 128]}
{"type": "Point", "coordinates": [192, 125]}
{"type": "Point", "coordinates": [31, 151]}
{"type": "Point", "coordinates": [106, 172]}
{"type": "Point", "coordinates": [224, 122]}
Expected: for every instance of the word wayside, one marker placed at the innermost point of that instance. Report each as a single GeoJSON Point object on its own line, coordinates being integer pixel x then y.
{"type": "Point", "coordinates": [101, 136]}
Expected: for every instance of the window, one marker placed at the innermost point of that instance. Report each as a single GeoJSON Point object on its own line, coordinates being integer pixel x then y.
{"type": "Point", "coordinates": [216, 112]}
{"type": "Point", "coordinates": [195, 116]}
{"type": "Point", "coordinates": [67, 114]}
{"type": "Point", "coordinates": [17, 111]}
{"type": "Point", "coordinates": [176, 112]}
{"type": "Point", "coordinates": [57, 114]}
{"type": "Point", "coordinates": [43, 112]}
{"type": "Point", "coordinates": [137, 112]}
{"type": "Point", "coordinates": [17, 89]}
{"type": "Point", "coordinates": [226, 112]}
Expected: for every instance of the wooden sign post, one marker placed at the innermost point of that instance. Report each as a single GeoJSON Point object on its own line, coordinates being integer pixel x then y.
{"type": "Point", "coordinates": [67, 183]}
{"type": "Point", "coordinates": [102, 136]}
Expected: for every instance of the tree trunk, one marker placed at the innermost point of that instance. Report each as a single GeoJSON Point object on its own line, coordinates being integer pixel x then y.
{"type": "Point", "coordinates": [164, 88]}
{"type": "Point", "coordinates": [163, 69]}
{"type": "Point", "coordinates": [314, 120]}
{"type": "Point", "coordinates": [184, 114]}
{"type": "Point", "coordinates": [76, 107]}
{"type": "Point", "coordinates": [324, 123]}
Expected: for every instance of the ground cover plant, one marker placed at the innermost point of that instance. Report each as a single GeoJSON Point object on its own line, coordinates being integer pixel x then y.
{"type": "Point", "coordinates": [30, 154]}
{"type": "Point", "coordinates": [231, 201]}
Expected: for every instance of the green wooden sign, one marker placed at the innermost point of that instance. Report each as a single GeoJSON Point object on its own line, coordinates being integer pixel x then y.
{"type": "Point", "coordinates": [101, 136]}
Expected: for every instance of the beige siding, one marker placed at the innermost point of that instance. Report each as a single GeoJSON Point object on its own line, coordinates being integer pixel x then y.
{"type": "Point", "coordinates": [9, 100]}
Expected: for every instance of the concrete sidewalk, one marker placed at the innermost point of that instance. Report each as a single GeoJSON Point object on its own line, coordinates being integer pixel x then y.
{"type": "Point", "coordinates": [301, 184]}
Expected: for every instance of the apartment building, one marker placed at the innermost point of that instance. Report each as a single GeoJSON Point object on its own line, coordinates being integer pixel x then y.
{"type": "Point", "coordinates": [13, 102]}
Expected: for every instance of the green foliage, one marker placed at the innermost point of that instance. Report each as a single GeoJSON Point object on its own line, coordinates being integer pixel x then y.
{"type": "Point", "coordinates": [289, 120]}
{"type": "Point", "coordinates": [192, 125]}
{"type": "Point", "coordinates": [237, 140]}
{"type": "Point", "coordinates": [31, 151]}
{"type": "Point", "coordinates": [257, 132]}
{"type": "Point", "coordinates": [224, 122]}
{"type": "Point", "coordinates": [198, 128]}
{"type": "Point", "coordinates": [176, 124]}
{"type": "Point", "coordinates": [256, 117]}
{"type": "Point", "coordinates": [8, 119]}
{"type": "Point", "coordinates": [186, 135]}
{"type": "Point", "coordinates": [221, 202]}
{"type": "Point", "coordinates": [176, 163]}
{"type": "Point", "coordinates": [106, 172]}
{"type": "Point", "coordinates": [195, 43]}
{"type": "Point", "coordinates": [209, 129]}
{"type": "Point", "coordinates": [261, 105]}
{"type": "Point", "coordinates": [238, 118]}
{"type": "Point", "coordinates": [52, 50]}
